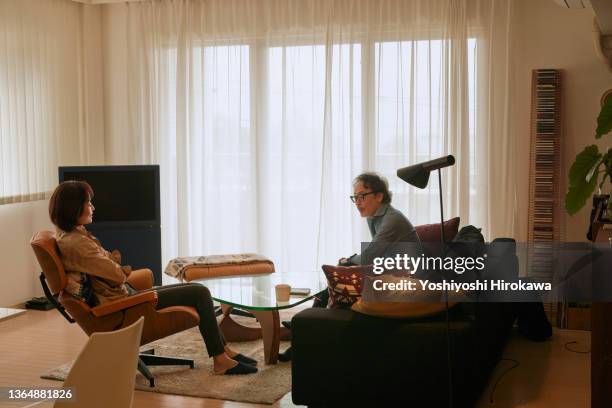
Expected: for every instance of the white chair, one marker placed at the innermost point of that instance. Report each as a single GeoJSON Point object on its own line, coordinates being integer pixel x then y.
{"type": "Point", "coordinates": [104, 373]}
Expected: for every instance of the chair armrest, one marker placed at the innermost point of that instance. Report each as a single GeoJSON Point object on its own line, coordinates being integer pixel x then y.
{"type": "Point", "coordinates": [141, 279]}
{"type": "Point", "coordinates": [125, 303]}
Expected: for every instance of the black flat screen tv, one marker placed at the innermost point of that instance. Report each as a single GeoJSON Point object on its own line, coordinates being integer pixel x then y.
{"type": "Point", "coordinates": [123, 195]}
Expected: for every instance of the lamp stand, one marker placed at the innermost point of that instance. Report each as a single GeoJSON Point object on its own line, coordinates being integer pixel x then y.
{"type": "Point", "coordinates": [448, 345]}
{"type": "Point", "coordinates": [443, 236]}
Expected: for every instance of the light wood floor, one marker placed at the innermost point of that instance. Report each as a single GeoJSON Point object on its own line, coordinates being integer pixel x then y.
{"type": "Point", "coordinates": [548, 375]}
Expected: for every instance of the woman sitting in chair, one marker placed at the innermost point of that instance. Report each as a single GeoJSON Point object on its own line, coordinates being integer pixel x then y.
{"type": "Point", "coordinates": [95, 275]}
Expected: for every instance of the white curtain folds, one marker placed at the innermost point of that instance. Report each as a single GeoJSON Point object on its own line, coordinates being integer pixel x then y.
{"type": "Point", "coordinates": [42, 105]}
{"type": "Point", "coordinates": [261, 113]}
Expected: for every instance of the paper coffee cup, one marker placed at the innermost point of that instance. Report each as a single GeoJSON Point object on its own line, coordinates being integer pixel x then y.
{"type": "Point", "coordinates": [282, 292]}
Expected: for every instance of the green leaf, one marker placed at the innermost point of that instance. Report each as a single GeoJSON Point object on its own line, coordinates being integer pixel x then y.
{"type": "Point", "coordinates": [585, 160]}
{"type": "Point", "coordinates": [604, 120]}
{"type": "Point", "coordinates": [581, 188]}
{"type": "Point", "coordinates": [577, 196]}
{"type": "Point", "coordinates": [607, 162]}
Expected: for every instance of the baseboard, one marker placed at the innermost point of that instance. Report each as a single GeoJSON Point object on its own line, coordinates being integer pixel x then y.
{"type": "Point", "coordinates": [7, 313]}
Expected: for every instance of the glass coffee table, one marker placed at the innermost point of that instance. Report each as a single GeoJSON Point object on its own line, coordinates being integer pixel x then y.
{"type": "Point", "coordinates": [257, 295]}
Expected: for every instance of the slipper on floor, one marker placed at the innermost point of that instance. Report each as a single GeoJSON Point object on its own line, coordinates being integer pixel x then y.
{"type": "Point", "coordinates": [241, 358]}
{"type": "Point", "coordinates": [240, 369]}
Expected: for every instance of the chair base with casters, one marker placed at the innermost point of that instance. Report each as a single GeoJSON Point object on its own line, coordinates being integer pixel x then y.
{"type": "Point", "coordinates": [148, 358]}
{"type": "Point", "coordinates": [116, 314]}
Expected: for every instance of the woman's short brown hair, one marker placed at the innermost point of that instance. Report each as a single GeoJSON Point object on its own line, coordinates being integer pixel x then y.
{"type": "Point", "coordinates": [67, 203]}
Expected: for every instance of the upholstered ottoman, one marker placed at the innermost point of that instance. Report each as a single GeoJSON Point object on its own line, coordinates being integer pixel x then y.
{"type": "Point", "coordinates": [213, 266]}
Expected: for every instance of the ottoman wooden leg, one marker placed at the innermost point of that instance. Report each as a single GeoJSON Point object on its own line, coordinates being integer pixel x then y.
{"type": "Point", "coordinates": [234, 331]}
{"type": "Point", "coordinates": [270, 327]}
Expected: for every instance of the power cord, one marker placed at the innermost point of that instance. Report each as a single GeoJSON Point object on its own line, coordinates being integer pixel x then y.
{"type": "Point", "coordinates": [448, 354]}
{"type": "Point", "coordinates": [575, 351]}
{"type": "Point", "coordinates": [516, 364]}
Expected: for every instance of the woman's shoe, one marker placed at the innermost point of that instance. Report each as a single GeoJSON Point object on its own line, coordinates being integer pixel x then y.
{"type": "Point", "coordinates": [241, 358]}
{"type": "Point", "coordinates": [239, 369]}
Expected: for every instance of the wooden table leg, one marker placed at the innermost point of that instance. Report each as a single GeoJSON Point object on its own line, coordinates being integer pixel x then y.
{"type": "Point", "coordinates": [270, 328]}
{"type": "Point", "coordinates": [234, 331]}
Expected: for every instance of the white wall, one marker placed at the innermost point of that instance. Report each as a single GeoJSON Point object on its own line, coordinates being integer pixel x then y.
{"type": "Point", "coordinates": [549, 36]}
{"type": "Point", "coordinates": [18, 267]}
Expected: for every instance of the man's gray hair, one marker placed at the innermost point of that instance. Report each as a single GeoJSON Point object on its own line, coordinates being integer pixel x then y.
{"type": "Point", "coordinates": [376, 183]}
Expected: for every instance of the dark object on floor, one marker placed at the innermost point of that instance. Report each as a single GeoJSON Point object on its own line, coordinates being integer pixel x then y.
{"type": "Point", "coordinates": [241, 358]}
{"type": "Point", "coordinates": [285, 355]}
{"type": "Point", "coordinates": [532, 321]}
{"type": "Point", "coordinates": [241, 369]}
{"type": "Point", "coordinates": [287, 324]}
{"type": "Point", "coordinates": [39, 303]}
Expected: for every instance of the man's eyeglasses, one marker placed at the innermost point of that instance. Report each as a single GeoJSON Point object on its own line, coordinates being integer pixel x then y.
{"type": "Point", "coordinates": [361, 197]}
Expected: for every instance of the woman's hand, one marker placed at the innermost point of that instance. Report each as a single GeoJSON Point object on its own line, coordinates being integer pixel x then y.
{"type": "Point", "coordinates": [127, 270]}
{"type": "Point", "coordinates": [116, 256]}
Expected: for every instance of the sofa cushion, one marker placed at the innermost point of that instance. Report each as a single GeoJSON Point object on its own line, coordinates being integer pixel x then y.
{"type": "Point", "coordinates": [431, 232]}
{"type": "Point", "coordinates": [400, 304]}
{"type": "Point", "coordinates": [400, 310]}
{"type": "Point", "coordinates": [344, 284]}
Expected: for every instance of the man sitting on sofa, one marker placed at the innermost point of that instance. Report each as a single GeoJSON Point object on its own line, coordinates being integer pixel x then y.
{"type": "Point", "coordinates": [387, 225]}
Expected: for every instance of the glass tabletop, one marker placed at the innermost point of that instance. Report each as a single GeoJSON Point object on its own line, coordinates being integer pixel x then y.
{"type": "Point", "coordinates": [258, 291]}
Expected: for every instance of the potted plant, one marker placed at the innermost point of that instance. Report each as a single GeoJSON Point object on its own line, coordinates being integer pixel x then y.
{"type": "Point", "coordinates": [592, 168]}
{"type": "Point", "coordinates": [589, 171]}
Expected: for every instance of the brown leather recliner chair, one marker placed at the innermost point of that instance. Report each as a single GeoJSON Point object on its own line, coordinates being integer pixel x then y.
{"type": "Point", "coordinates": [116, 314]}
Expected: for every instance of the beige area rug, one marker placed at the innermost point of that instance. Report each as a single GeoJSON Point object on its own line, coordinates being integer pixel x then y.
{"type": "Point", "coordinates": [267, 386]}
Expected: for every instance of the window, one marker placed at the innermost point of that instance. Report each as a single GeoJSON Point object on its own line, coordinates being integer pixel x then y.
{"type": "Point", "coordinates": [272, 134]}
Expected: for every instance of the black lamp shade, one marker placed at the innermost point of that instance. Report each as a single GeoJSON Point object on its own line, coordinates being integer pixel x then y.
{"type": "Point", "coordinates": [418, 174]}
{"type": "Point", "coordinates": [414, 175]}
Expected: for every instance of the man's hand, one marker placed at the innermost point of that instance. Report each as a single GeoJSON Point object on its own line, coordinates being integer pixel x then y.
{"type": "Point", "coordinates": [343, 261]}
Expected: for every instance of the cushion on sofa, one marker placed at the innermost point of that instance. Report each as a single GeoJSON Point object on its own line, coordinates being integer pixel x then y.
{"type": "Point", "coordinates": [344, 284]}
{"type": "Point", "coordinates": [400, 310]}
{"type": "Point", "coordinates": [432, 233]}
{"type": "Point", "coordinates": [399, 304]}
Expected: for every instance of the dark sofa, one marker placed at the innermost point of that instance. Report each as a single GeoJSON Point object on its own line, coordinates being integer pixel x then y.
{"type": "Point", "coordinates": [343, 358]}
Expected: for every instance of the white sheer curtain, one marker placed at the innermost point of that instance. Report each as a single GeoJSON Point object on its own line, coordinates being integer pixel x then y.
{"type": "Point", "coordinates": [262, 112]}
{"type": "Point", "coordinates": [41, 95]}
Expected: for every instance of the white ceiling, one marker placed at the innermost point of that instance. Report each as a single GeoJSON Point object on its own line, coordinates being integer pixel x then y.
{"type": "Point", "coordinates": [103, 1]}
{"type": "Point", "coordinates": [602, 9]}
